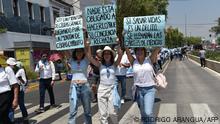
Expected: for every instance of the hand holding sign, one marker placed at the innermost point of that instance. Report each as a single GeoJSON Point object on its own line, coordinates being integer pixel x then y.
{"type": "Point", "coordinates": [101, 24]}
{"type": "Point", "coordinates": [144, 31]}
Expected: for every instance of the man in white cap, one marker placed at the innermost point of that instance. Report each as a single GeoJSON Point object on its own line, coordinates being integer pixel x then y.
{"type": "Point", "coordinates": [9, 97]}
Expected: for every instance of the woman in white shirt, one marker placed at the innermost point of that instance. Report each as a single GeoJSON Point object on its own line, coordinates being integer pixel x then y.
{"type": "Point", "coordinates": [22, 81]}
{"type": "Point", "coordinates": [144, 81]}
{"type": "Point", "coordinates": [107, 69]}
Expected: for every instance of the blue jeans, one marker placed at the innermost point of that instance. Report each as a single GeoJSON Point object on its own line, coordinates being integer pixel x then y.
{"type": "Point", "coordinates": [83, 94]}
{"type": "Point", "coordinates": [145, 99]}
{"type": "Point", "coordinates": [21, 104]}
{"type": "Point", "coordinates": [122, 80]}
{"type": "Point", "coordinates": [46, 84]}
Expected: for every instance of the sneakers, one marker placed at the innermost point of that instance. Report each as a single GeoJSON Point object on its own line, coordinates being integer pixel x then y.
{"type": "Point", "coordinates": [122, 101]}
{"type": "Point", "coordinates": [40, 110]}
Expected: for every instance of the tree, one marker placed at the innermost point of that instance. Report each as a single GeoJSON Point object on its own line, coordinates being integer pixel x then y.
{"type": "Point", "coordinates": [193, 40]}
{"type": "Point", "coordinates": [218, 40]}
{"type": "Point", "coordinates": [128, 8]}
{"type": "Point", "coordinates": [3, 28]}
{"type": "Point", "coordinates": [173, 38]}
{"type": "Point", "coordinates": [216, 29]}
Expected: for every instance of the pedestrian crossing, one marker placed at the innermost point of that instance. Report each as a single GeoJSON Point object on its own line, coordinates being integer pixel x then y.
{"type": "Point", "coordinates": [167, 113]}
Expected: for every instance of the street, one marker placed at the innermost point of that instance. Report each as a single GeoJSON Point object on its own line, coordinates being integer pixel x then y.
{"type": "Point", "coordinates": [192, 97]}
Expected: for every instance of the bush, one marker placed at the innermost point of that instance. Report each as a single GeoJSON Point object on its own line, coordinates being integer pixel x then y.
{"type": "Point", "coordinates": [31, 74]}
{"type": "Point", "coordinates": [213, 55]}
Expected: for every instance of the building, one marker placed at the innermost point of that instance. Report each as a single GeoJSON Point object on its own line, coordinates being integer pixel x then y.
{"type": "Point", "coordinates": [29, 22]}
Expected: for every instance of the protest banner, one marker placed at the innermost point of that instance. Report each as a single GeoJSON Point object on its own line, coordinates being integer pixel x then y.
{"type": "Point", "coordinates": [69, 32]}
{"type": "Point", "coordinates": [101, 24]}
{"type": "Point", "coordinates": [144, 31]}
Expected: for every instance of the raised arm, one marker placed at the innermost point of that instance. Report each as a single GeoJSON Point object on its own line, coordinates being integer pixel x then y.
{"type": "Point", "coordinates": [153, 56]}
{"type": "Point", "coordinates": [89, 54]}
{"type": "Point", "coordinates": [130, 57]}
{"type": "Point", "coordinates": [120, 54]}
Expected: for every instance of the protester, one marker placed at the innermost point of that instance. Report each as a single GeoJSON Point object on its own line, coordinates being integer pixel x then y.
{"type": "Point", "coordinates": [9, 89]}
{"type": "Point", "coordinates": [22, 81]}
{"type": "Point", "coordinates": [46, 70]}
{"type": "Point", "coordinates": [202, 57]}
{"type": "Point", "coordinates": [59, 67]}
{"type": "Point", "coordinates": [159, 60]}
{"type": "Point", "coordinates": [96, 75]}
{"type": "Point", "coordinates": [121, 75]}
{"type": "Point", "coordinates": [144, 81]}
{"type": "Point", "coordinates": [106, 88]}
{"type": "Point", "coordinates": [79, 88]}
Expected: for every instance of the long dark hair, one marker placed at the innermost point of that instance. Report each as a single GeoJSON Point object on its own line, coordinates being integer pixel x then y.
{"type": "Point", "coordinates": [74, 53]}
{"type": "Point", "coordinates": [145, 51]}
{"type": "Point", "coordinates": [112, 58]}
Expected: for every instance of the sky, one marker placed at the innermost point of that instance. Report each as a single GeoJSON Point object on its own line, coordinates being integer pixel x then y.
{"type": "Point", "coordinates": [194, 17]}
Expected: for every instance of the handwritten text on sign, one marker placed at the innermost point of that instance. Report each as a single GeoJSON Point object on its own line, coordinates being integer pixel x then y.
{"type": "Point", "coordinates": [144, 31]}
{"type": "Point", "coordinates": [101, 24]}
{"type": "Point", "coordinates": [69, 32]}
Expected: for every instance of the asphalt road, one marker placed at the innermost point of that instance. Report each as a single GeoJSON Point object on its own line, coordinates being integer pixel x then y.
{"type": "Point", "coordinates": [193, 92]}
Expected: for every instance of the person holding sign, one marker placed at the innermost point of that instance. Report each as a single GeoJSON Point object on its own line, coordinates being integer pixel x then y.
{"type": "Point", "coordinates": [79, 88]}
{"type": "Point", "coordinates": [107, 69]}
{"type": "Point", "coordinates": [144, 81]}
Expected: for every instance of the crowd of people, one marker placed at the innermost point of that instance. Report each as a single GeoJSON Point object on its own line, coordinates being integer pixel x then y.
{"type": "Point", "coordinates": [108, 68]}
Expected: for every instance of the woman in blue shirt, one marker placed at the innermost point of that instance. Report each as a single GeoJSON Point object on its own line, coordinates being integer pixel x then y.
{"type": "Point", "coordinates": [79, 88]}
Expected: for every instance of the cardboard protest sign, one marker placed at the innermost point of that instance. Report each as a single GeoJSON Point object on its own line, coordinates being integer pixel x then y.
{"type": "Point", "coordinates": [69, 32]}
{"type": "Point", "coordinates": [101, 24]}
{"type": "Point", "coordinates": [144, 31]}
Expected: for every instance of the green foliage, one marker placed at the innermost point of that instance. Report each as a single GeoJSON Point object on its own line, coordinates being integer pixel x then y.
{"type": "Point", "coordinates": [31, 74]}
{"type": "Point", "coordinates": [218, 40]}
{"type": "Point", "coordinates": [129, 8]}
{"type": "Point", "coordinates": [173, 38]}
{"type": "Point", "coordinates": [193, 40]}
{"type": "Point", "coordinates": [213, 55]}
{"type": "Point", "coordinates": [216, 29]}
{"type": "Point", "coordinates": [2, 30]}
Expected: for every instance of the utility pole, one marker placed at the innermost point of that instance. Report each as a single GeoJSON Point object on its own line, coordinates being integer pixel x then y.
{"type": "Point", "coordinates": [185, 25]}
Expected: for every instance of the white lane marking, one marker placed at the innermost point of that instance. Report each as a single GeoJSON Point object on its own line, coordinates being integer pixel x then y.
{"type": "Point", "coordinates": [64, 119]}
{"type": "Point", "coordinates": [167, 113]}
{"type": "Point", "coordinates": [30, 110]}
{"type": "Point", "coordinates": [202, 112]}
{"type": "Point", "coordinates": [26, 105]}
{"type": "Point", "coordinates": [212, 72]}
{"type": "Point", "coordinates": [48, 113]}
{"type": "Point", "coordinates": [132, 116]}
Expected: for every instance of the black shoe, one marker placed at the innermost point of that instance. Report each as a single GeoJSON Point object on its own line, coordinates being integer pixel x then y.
{"type": "Point", "coordinates": [40, 110]}
{"type": "Point", "coordinates": [94, 100]}
{"type": "Point", "coordinates": [25, 118]}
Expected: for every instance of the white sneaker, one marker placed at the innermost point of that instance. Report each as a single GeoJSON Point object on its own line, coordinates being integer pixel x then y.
{"type": "Point", "coordinates": [122, 101]}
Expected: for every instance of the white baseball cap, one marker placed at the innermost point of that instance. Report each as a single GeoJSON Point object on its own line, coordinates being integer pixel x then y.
{"type": "Point", "coordinates": [11, 61]}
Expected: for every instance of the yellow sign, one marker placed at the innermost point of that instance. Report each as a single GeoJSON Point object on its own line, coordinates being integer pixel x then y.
{"type": "Point", "coordinates": [2, 60]}
{"type": "Point", "coordinates": [23, 55]}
